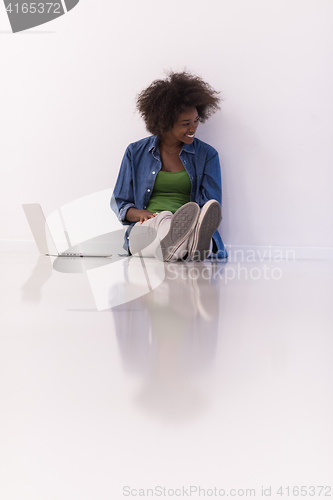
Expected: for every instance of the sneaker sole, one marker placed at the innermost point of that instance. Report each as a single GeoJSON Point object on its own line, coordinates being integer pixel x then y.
{"type": "Point", "coordinates": [182, 224]}
{"type": "Point", "coordinates": [209, 220]}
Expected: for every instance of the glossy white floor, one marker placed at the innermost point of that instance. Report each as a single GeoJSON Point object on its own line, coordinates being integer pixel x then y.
{"type": "Point", "coordinates": [219, 377]}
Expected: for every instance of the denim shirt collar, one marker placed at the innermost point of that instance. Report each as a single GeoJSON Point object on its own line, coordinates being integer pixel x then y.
{"type": "Point", "coordinates": [188, 148]}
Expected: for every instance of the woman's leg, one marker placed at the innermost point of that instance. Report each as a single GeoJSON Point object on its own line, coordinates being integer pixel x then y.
{"type": "Point", "coordinates": [200, 241]}
{"type": "Point", "coordinates": [175, 244]}
{"type": "Point", "coordinates": [172, 234]}
{"type": "Point", "coordinates": [160, 223]}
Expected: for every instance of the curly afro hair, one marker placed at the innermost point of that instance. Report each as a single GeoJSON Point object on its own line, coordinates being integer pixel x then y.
{"type": "Point", "coordinates": [164, 100]}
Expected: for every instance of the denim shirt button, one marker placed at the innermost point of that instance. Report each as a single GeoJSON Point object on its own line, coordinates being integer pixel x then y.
{"type": "Point", "coordinates": [148, 190]}
{"type": "Point", "coordinates": [153, 172]}
{"type": "Point", "coordinates": [145, 206]}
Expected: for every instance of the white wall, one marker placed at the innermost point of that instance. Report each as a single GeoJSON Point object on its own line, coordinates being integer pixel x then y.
{"type": "Point", "coordinates": [68, 92]}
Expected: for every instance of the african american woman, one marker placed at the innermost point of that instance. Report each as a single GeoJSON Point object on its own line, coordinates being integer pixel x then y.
{"type": "Point", "coordinates": [171, 181]}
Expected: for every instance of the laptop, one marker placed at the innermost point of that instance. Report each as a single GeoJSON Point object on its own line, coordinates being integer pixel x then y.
{"type": "Point", "coordinates": [45, 242]}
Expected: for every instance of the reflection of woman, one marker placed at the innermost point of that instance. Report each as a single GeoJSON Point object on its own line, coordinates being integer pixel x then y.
{"type": "Point", "coordinates": [165, 179]}
{"type": "Point", "coordinates": [169, 337]}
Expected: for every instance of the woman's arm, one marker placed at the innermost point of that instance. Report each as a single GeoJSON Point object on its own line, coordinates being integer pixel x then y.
{"type": "Point", "coordinates": [211, 183]}
{"type": "Point", "coordinates": [123, 194]}
{"type": "Point", "coordinates": [123, 199]}
{"type": "Point", "coordinates": [137, 215]}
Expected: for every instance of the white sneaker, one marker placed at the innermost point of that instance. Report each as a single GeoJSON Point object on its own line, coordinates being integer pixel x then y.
{"type": "Point", "coordinates": [182, 224]}
{"type": "Point", "coordinates": [208, 221]}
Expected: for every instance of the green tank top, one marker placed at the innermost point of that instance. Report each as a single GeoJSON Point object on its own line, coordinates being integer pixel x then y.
{"type": "Point", "coordinates": [171, 191]}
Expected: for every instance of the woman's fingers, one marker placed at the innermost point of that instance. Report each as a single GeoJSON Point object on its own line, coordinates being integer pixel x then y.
{"type": "Point", "coordinates": [146, 217]}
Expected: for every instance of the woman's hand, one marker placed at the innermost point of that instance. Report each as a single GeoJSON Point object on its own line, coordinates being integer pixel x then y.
{"type": "Point", "coordinates": [137, 215]}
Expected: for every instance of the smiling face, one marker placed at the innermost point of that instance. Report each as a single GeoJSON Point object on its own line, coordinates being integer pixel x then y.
{"type": "Point", "coordinates": [184, 129]}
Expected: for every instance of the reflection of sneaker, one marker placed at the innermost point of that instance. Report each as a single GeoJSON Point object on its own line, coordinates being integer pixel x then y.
{"type": "Point", "coordinates": [208, 222]}
{"type": "Point", "coordinates": [206, 294]}
{"type": "Point", "coordinates": [182, 224]}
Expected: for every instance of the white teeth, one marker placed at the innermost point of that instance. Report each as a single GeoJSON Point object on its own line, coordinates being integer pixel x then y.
{"type": "Point", "coordinates": [188, 135]}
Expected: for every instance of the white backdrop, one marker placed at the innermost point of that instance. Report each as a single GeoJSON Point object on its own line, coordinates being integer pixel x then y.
{"type": "Point", "coordinates": [68, 93]}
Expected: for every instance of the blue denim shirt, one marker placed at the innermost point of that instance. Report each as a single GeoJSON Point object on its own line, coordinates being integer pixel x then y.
{"type": "Point", "coordinates": [140, 166]}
